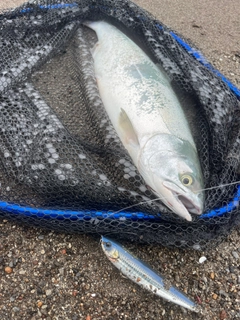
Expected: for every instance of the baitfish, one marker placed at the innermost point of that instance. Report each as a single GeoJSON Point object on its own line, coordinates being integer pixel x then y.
{"type": "Point", "coordinates": [143, 275]}
{"type": "Point", "coordinates": [149, 120]}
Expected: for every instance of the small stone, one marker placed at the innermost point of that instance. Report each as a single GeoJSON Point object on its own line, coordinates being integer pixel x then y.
{"type": "Point", "coordinates": [88, 317]}
{"type": "Point", "coordinates": [39, 304]}
{"type": "Point", "coordinates": [202, 259]}
{"type": "Point", "coordinates": [223, 293]}
{"type": "Point", "coordinates": [223, 315]}
{"type": "Point", "coordinates": [8, 270]}
{"type": "Point", "coordinates": [177, 279]}
{"type": "Point", "coordinates": [212, 275]}
{"type": "Point", "coordinates": [235, 255]}
{"type": "Point", "coordinates": [39, 290]}
{"type": "Point", "coordinates": [215, 296]}
{"type": "Point", "coordinates": [205, 279]}
{"type": "Point", "coordinates": [198, 299]}
{"type": "Point", "coordinates": [195, 25]}
{"type": "Point", "coordinates": [41, 237]}
{"type": "Point", "coordinates": [22, 272]}
{"type": "Point", "coordinates": [48, 292]}
{"type": "Point", "coordinates": [44, 311]}
{"type": "Point", "coordinates": [232, 269]}
{"type": "Point", "coordinates": [74, 293]}
{"type": "Point", "coordinates": [15, 261]}
{"type": "Point", "coordinates": [238, 279]}
{"type": "Point", "coordinates": [15, 309]}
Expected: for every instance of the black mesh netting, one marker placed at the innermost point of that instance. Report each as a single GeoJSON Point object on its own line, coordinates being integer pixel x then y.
{"type": "Point", "coordinates": [62, 164]}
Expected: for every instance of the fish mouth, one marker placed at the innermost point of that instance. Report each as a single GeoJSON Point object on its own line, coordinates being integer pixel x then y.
{"type": "Point", "coordinates": [180, 203]}
{"type": "Point", "coordinates": [188, 204]}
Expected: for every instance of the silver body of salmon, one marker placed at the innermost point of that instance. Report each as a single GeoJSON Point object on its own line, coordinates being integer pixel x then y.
{"type": "Point", "coordinates": [149, 120]}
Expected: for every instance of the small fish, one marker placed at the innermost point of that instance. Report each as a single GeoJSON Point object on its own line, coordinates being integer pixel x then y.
{"type": "Point", "coordinates": [143, 275]}
{"type": "Point", "coordinates": [149, 120]}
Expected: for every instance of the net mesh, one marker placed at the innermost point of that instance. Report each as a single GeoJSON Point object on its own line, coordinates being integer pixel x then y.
{"type": "Point", "coordinates": [62, 163]}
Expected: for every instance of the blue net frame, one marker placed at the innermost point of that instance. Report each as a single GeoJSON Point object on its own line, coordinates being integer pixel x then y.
{"type": "Point", "coordinates": [15, 210]}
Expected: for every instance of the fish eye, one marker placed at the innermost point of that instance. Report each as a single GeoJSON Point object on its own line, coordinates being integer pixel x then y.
{"type": "Point", "coordinates": [108, 244]}
{"type": "Point", "coordinates": [187, 180]}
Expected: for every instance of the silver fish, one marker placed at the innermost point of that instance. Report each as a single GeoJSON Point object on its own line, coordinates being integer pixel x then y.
{"type": "Point", "coordinates": [143, 275]}
{"type": "Point", "coordinates": [149, 120]}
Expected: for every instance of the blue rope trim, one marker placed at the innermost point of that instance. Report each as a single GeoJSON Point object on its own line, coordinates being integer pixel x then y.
{"type": "Point", "coordinates": [89, 215]}
{"type": "Point", "coordinates": [203, 60]}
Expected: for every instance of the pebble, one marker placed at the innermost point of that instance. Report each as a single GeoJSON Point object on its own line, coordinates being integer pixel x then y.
{"type": "Point", "coordinates": [39, 304]}
{"type": "Point", "coordinates": [22, 271]}
{"type": "Point", "coordinates": [202, 259]}
{"type": "Point", "coordinates": [8, 270]}
{"type": "Point", "coordinates": [215, 296]}
{"type": "Point", "coordinates": [223, 293]}
{"type": "Point", "coordinates": [232, 269]}
{"type": "Point", "coordinates": [239, 279]}
{"type": "Point", "coordinates": [41, 237]}
{"type": "Point", "coordinates": [15, 261]}
{"type": "Point", "coordinates": [43, 310]}
{"type": "Point", "coordinates": [15, 309]}
{"type": "Point", "coordinates": [212, 275]}
{"type": "Point", "coordinates": [235, 255]}
{"type": "Point", "coordinates": [223, 315]}
{"type": "Point", "coordinates": [48, 292]}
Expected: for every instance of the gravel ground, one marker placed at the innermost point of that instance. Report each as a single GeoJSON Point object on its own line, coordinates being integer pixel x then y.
{"type": "Point", "coordinates": [47, 275]}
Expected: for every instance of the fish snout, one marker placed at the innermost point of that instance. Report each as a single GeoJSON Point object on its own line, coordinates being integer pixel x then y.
{"type": "Point", "coordinates": [193, 208]}
{"type": "Point", "coordinates": [182, 202]}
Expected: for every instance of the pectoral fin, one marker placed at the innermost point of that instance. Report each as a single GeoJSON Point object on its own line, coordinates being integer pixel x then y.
{"type": "Point", "coordinates": [129, 134]}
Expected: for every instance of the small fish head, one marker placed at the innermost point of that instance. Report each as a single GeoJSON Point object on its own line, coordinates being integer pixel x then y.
{"type": "Point", "coordinates": [109, 248]}
{"type": "Point", "coordinates": [174, 174]}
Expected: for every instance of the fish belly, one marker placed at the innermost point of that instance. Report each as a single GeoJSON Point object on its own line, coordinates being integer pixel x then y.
{"type": "Point", "coordinates": [130, 83]}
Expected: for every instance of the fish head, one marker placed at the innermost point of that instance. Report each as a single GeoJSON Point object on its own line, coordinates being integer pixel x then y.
{"type": "Point", "coordinates": [171, 168]}
{"type": "Point", "coordinates": [109, 248]}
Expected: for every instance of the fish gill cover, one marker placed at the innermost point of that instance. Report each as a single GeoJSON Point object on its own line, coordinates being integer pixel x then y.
{"type": "Point", "coordinates": [62, 164]}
